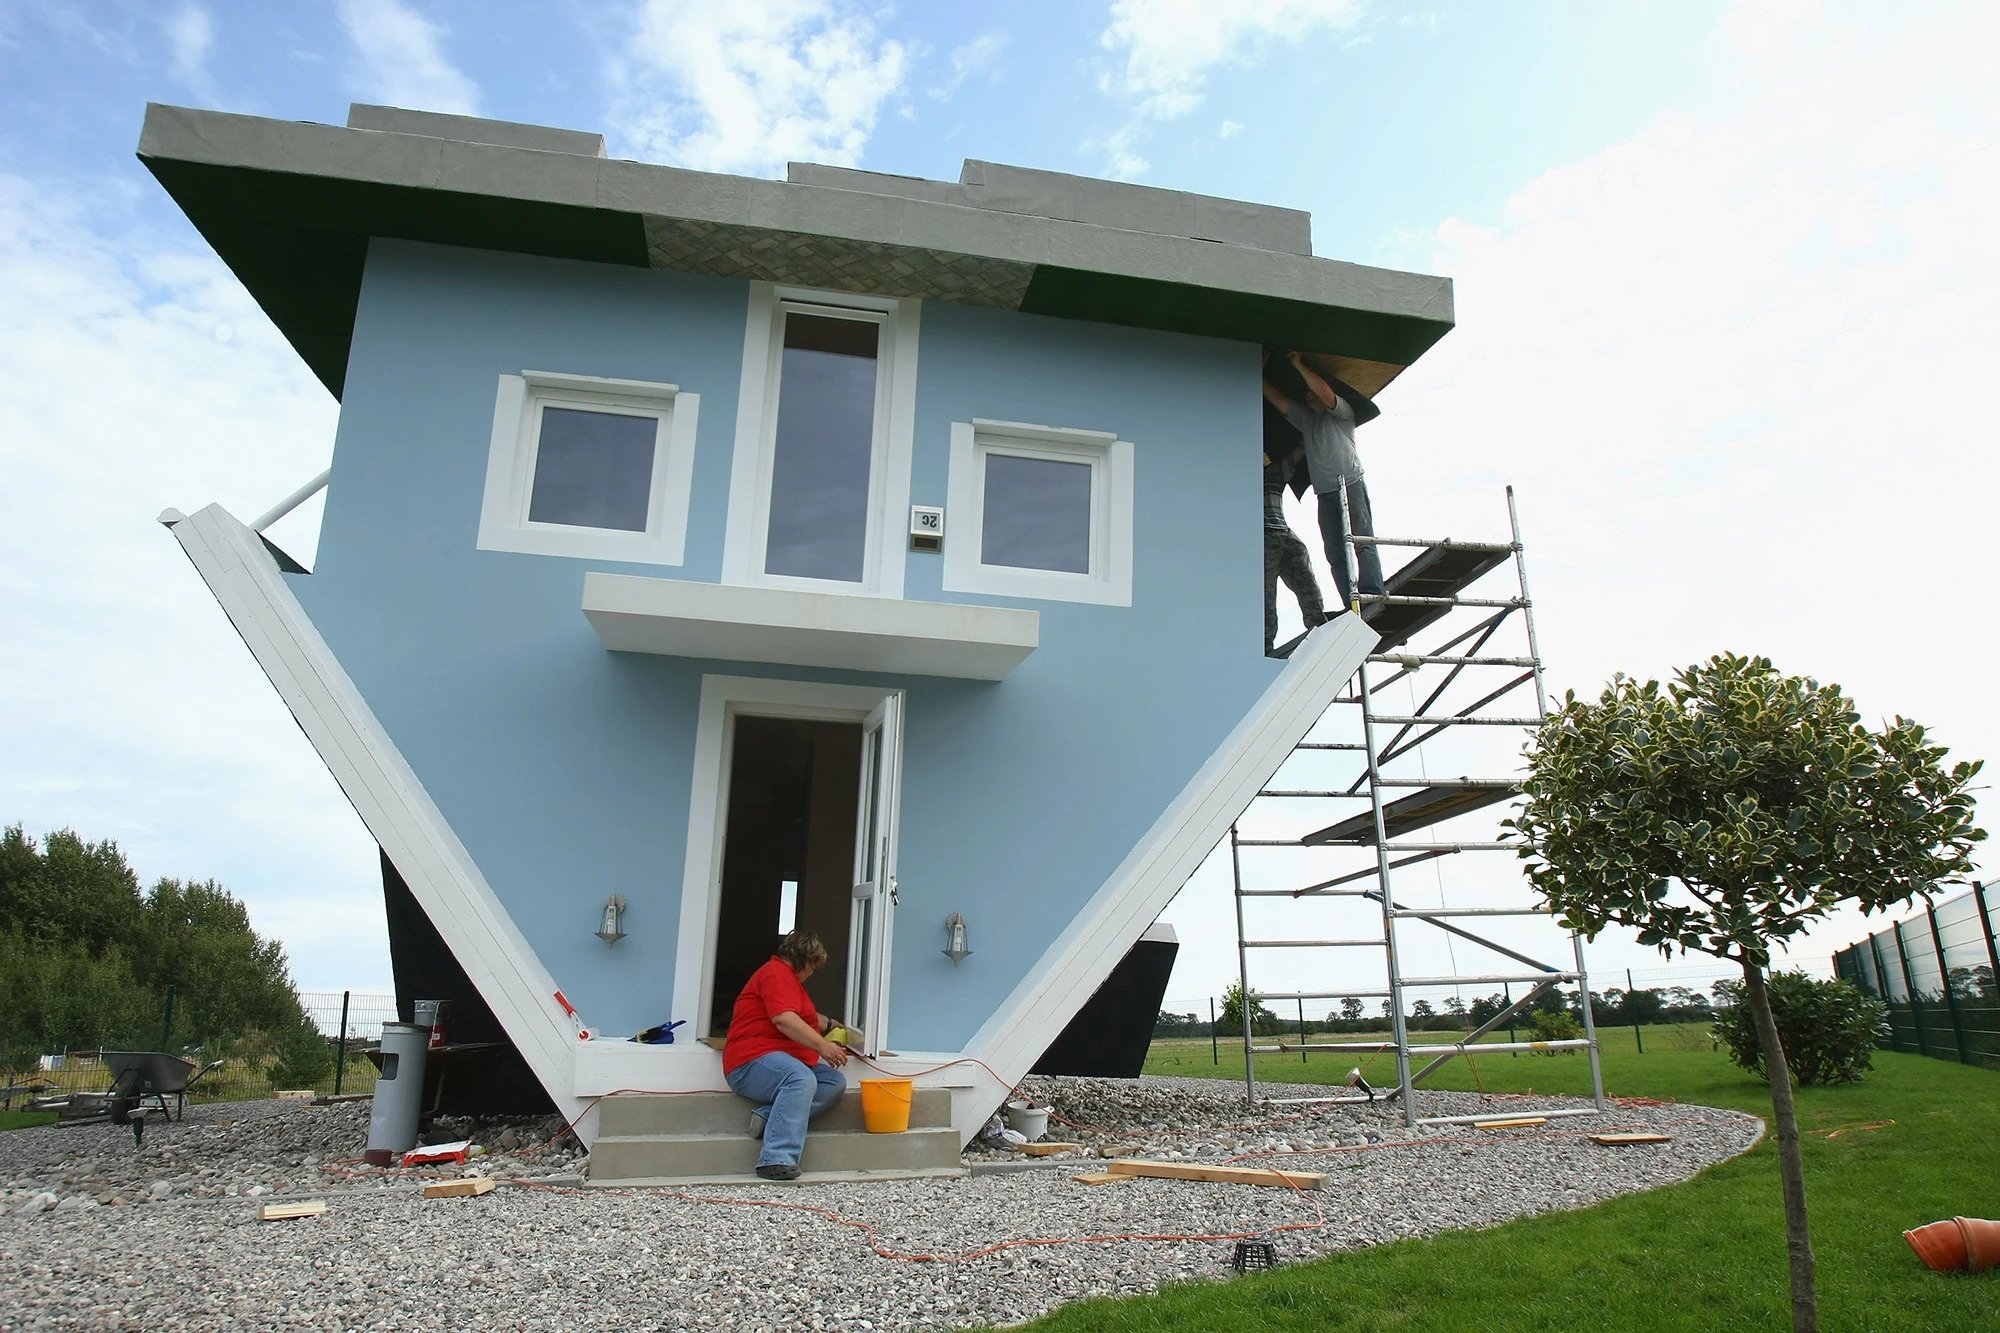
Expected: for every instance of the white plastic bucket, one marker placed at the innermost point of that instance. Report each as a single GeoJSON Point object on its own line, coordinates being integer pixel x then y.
{"type": "Point", "coordinates": [1032, 1122]}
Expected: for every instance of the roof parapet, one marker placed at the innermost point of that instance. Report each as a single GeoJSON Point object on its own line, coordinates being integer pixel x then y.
{"type": "Point", "coordinates": [998, 188]}
{"type": "Point", "coordinates": [473, 129]}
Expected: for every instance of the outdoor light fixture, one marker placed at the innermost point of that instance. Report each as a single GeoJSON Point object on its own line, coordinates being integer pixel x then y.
{"type": "Point", "coordinates": [612, 928]}
{"type": "Point", "coordinates": [954, 938]}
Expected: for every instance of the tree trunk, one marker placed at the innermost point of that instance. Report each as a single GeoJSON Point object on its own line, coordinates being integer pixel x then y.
{"type": "Point", "coordinates": [1791, 1166]}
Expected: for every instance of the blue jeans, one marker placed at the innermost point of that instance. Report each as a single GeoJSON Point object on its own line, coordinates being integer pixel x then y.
{"type": "Point", "coordinates": [1333, 532]}
{"type": "Point", "coordinates": [789, 1092]}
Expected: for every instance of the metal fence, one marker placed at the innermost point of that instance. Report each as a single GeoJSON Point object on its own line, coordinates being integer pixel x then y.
{"type": "Point", "coordinates": [1936, 971]}
{"type": "Point", "coordinates": [350, 1021]}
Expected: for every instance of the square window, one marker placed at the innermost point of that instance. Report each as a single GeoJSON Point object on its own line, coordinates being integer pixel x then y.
{"type": "Point", "coordinates": [591, 468]}
{"type": "Point", "coordinates": [1039, 511]}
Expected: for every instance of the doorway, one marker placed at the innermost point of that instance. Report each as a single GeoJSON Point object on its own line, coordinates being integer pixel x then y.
{"type": "Point", "coordinates": [788, 852]}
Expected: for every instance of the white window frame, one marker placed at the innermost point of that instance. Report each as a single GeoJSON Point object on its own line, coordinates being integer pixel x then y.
{"type": "Point", "coordinates": [1109, 582]}
{"type": "Point", "coordinates": [757, 436]}
{"type": "Point", "coordinates": [510, 467]}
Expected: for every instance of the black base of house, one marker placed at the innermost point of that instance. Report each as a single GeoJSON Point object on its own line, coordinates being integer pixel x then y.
{"type": "Point", "coordinates": [1110, 1035]}
{"type": "Point", "coordinates": [479, 1072]}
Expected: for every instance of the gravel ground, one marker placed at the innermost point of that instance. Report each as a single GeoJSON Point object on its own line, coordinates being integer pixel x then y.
{"type": "Point", "coordinates": [98, 1233]}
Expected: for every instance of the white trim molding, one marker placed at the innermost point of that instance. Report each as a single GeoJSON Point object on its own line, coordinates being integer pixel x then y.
{"type": "Point", "coordinates": [513, 453]}
{"type": "Point", "coordinates": [744, 543]}
{"type": "Point", "coordinates": [385, 792]}
{"type": "Point", "coordinates": [723, 699]}
{"type": "Point", "coordinates": [1099, 935]}
{"type": "Point", "coordinates": [1108, 581]}
{"type": "Point", "coordinates": [677, 618]}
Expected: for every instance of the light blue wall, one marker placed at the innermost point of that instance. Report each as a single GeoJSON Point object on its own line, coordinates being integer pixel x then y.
{"type": "Point", "coordinates": [565, 769]}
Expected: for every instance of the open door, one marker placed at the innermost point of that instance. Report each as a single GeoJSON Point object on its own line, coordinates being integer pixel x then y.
{"type": "Point", "coordinates": [875, 833]}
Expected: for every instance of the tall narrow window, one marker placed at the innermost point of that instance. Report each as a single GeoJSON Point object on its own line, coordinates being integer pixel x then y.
{"type": "Point", "coordinates": [821, 462]}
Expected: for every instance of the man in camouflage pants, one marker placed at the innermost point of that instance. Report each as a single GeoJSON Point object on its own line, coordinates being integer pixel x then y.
{"type": "Point", "coordinates": [1284, 554]}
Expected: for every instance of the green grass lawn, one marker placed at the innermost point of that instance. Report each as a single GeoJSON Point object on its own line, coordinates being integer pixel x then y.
{"type": "Point", "coordinates": [1704, 1255]}
{"type": "Point", "coordinates": [25, 1119]}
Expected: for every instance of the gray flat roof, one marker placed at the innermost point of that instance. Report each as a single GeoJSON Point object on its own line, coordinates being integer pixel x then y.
{"type": "Point", "coordinates": [290, 206]}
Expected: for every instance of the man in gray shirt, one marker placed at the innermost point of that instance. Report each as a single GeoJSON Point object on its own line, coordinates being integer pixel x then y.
{"type": "Point", "coordinates": [1326, 420]}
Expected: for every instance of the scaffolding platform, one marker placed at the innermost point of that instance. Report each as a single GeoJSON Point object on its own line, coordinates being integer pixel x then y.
{"type": "Point", "coordinates": [1407, 814]}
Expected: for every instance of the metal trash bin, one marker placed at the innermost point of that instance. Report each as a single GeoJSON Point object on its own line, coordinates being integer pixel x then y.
{"type": "Point", "coordinates": [399, 1093]}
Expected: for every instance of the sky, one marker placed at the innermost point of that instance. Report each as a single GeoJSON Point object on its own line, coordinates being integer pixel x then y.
{"type": "Point", "coordinates": [1724, 276]}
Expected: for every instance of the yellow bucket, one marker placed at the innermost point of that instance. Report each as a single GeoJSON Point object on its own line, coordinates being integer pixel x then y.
{"type": "Point", "coordinates": [885, 1104]}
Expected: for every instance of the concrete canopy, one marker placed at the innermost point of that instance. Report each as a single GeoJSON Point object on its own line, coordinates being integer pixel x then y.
{"type": "Point", "coordinates": [290, 207]}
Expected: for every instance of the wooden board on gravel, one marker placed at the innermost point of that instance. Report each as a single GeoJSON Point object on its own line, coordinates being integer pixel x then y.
{"type": "Point", "coordinates": [1621, 1140]}
{"type": "Point", "coordinates": [1048, 1149]}
{"type": "Point", "coordinates": [1103, 1178]}
{"type": "Point", "coordinates": [1223, 1175]}
{"type": "Point", "coordinates": [471, 1187]}
{"type": "Point", "coordinates": [279, 1212]}
{"type": "Point", "coordinates": [1514, 1122]}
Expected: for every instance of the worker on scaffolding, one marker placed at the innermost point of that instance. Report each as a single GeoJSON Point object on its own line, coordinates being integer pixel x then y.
{"type": "Point", "coordinates": [1284, 554]}
{"type": "Point", "coordinates": [1326, 420]}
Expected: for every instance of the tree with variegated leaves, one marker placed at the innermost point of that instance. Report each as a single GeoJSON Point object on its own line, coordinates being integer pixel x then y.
{"type": "Point", "coordinates": [1724, 813]}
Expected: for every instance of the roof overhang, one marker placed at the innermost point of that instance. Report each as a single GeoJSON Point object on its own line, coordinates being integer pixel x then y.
{"type": "Point", "coordinates": [290, 206]}
{"type": "Point", "coordinates": [730, 623]}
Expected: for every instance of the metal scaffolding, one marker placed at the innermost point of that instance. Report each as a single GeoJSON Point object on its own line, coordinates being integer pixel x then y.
{"type": "Point", "coordinates": [1356, 857]}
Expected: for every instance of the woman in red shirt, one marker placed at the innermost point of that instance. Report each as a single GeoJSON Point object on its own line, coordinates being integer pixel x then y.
{"type": "Point", "coordinates": [778, 1056]}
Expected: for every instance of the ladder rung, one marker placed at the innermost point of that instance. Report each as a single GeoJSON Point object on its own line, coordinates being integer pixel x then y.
{"type": "Point", "coordinates": [1365, 1047]}
{"type": "Point", "coordinates": [1351, 1099]}
{"type": "Point", "coordinates": [1308, 892]}
{"type": "Point", "coordinates": [1420, 912]}
{"type": "Point", "coordinates": [1497, 979]}
{"type": "Point", "coordinates": [1320, 994]}
{"type": "Point", "coordinates": [1421, 721]}
{"type": "Point", "coordinates": [1507, 1115]}
{"type": "Point", "coordinates": [1392, 599]}
{"type": "Point", "coordinates": [1483, 1048]}
{"type": "Point", "coordinates": [1452, 784]}
{"type": "Point", "coordinates": [1300, 793]}
{"type": "Point", "coordinates": [1270, 842]}
{"type": "Point", "coordinates": [1439, 846]}
{"type": "Point", "coordinates": [1440, 544]}
{"type": "Point", "coordinates": [1443, 659]}
{"type": "Point", "coordinates": [1330, 745]}
{"type": "Point", "coordinates": [1313, 944]}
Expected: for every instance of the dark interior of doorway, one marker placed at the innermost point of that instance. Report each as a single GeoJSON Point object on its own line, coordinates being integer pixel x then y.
{"type": "Point", "coordinates": [794, 792]}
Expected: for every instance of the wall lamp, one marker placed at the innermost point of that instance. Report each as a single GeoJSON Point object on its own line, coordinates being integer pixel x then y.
{"type": "Point", "coordinates": [612, 928]}
{"type": "Point", "coordinates": [954, 938]}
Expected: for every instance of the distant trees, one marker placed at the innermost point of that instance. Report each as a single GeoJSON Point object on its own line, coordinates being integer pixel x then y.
{"type": "Point", "coordinates": [86, 957]}
{"type": "Point", "coordinates": [1263, 1023]}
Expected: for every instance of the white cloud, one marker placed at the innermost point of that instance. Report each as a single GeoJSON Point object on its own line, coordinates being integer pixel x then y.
{"type": "Point", "coordinates": [723, 86]}
{"type": "Point", "coordinates": [1161, 52]}
{"type": "Point", "coordinates": [142, 377]}
{"type": "Point", "coordinates": [401, 61]}
{"type": "Point", "coordinates": [977, 56]}
{"type": "Point", "coordinates": [1163, 49]}
{"type": "Point", "coordinates": [191, 35]}
{"type": "Point", "coordinates": [1230, 129]}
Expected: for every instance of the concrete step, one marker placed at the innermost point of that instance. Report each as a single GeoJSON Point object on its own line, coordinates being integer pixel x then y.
{"type": "Point", "coordinates": [640, 1115]}
{"type": "Point", "coordinates": [621, 1159]}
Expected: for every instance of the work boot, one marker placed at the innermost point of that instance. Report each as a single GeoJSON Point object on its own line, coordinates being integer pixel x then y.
{"type": "Point", "coordinates": [778, 1171]}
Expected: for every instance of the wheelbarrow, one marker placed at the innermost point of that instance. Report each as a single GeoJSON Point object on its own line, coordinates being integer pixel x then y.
{"type": "Point", "coordinates": [141, 1082]}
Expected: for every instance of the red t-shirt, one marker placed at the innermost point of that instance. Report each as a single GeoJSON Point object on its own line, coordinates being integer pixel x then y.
{"type": "Point", "coordinates": [773, 989]}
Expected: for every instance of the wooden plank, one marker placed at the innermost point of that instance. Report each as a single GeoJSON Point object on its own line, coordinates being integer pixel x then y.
{"type": "Point", "coordinates": [1047, 1149]}
{"type": "Point", "coordinates": [1103, 1178]}
{"type": "Point", "coordinates": [278, 1212]}
{"type": "Point", "coordinates": [295, 1094]}
{"type": "Point", "coordinates": [1122, 1150]}
{"type": "Point", "coordinates": [1620, 1140]}
{"type": "Point", "coordinates": [1517, 1122]}
{"type": "Point", "coordinates": [331, 1100]}
{"type": "Point", "coordinates": [1221, 1175]}
{"type": "Point", "coordinates": [471, 1187]}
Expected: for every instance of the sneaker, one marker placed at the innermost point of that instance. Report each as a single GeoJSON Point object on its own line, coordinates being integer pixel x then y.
{"type": "Point", "coordinates": [778, 1171]}
{"type": "Point", "coordinates": [756, 1124]}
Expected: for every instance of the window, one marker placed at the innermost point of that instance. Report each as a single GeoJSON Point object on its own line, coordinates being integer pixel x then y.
{"type": "Point", "coordinates": [588, 467]}
{"type": "Point", "coordinates": [823, 442]}
{"type": "Point", "coordinates": [1036, 511]}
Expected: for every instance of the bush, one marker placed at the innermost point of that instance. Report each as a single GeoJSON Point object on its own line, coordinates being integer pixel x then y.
{"type": "Point", "coordinates": [1558, 1026]}
{"type": "Point", "coordinates": [1828, 1028]}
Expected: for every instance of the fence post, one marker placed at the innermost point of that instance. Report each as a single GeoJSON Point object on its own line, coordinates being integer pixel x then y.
{"type": "Point", "coordinates": [1637, 1035]}
{"type": "Point", "coordinates": [1214, 1047]}
{"type": "Point", "coordinates": [1986, 924]}
{"type": "Point", "coordinates": [1302, 1031]}
{"type": "Point", "coordinates": [167, 1023]}
{"type": "Point", "coordinates": [1507, 996]}
{"type": "Point", "coordinates": [1944, 977]}
{"type": "Point", "coordinates": [340, 1060]}
{"type": "Point", "coordinates": [1910, 985]}
{"type": "Point", "coordinates": [1882, 977]}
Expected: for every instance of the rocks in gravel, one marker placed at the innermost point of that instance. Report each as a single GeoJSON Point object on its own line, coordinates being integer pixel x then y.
{"type": "Point", "coordinates": [563, 1258]}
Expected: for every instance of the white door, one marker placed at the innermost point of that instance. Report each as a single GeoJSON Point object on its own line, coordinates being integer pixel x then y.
{"type": "Point", "coordinates": [875, 830]}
